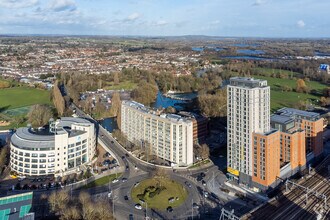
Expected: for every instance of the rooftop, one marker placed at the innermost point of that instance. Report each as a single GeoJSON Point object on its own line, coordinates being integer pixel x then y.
{"type": "Point", "coordinates": [248, 82]}
{"type": "Point", "coordinates": [296, 113]}
{"type": "Point", "coordinates": [42, 138]}
{"type": "Point", "coordinates": [155, 112]}
{"type": "Point", "coordinates": [281, 119]}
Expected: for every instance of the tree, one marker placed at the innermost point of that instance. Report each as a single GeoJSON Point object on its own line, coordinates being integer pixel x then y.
{"type": "Point", "coordinates": [70, 213]}
{"type": "Point", "coordinates": [205, 151]}
{"type": "Point", "coordinates": [58, 99]}
{"type": "Point", "coordinates": [39, 115]}
{"type": "Point", "coordinates": [102, 210]}
{"type": "Point", "coordinates": [87, 207]}
{"type": "Point", "coordinates": [145, 93]}
{"type": "Point", "coordinates": [301, 86]}
{"type": "Point", "coordinates": [214, 105]}
{"type": "Point", "coordinates": [115, 109]}
{"type": "Point", "coordinates": [58, 201]}
{"type": "Point", "coordinates": [325, 101]}
{"type": "Point", "coordinates": [3, 157]}
{"type": "Point", "coordinates": [116, 78]}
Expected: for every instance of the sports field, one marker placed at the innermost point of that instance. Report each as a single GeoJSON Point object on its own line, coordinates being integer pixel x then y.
{"type": "Point", "coordinates": [21, 97]}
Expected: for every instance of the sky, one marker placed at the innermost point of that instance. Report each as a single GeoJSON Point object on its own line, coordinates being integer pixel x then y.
{"type": "Point", "coordinates": [235, 18]}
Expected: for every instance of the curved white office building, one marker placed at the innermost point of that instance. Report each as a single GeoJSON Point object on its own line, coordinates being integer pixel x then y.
{"type": "Point", "coordinates": [66, 145]}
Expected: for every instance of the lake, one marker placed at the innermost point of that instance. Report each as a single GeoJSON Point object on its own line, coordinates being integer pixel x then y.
{"type": "Point", "coordinates": [251, 52]}
{"type": "Point", "coordinates": [164, 102]}
{"type": "Point", "coordinates": [248, 58]}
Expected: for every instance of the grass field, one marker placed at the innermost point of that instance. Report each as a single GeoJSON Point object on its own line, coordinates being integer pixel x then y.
{"type": "Point", "coordinates": [22, 96]}
{"type": "Point", "coordinates": [126, 85]}
{"type": "Point", "coordinates": [270, 71]}
{"type": "Point", "coordinates": [281, 99]}
{"type": "Point", "coordinates": [161, 201]}
{"type": "Point", "coordinates": [102, 181]}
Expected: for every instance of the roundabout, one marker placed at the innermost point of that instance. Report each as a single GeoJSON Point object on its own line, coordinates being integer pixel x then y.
{"type": "Point", "coordinates": [159, 193]}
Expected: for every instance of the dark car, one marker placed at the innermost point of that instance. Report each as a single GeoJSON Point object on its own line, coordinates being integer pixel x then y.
{"type": "Point", "coordinates": [126, 198]}
{"type": "Point", "coordinates": [202, 174]}
{"type": "Point", "coordinates": [126, 155]}
{"type": "Point", "coordinates": [188, 184]}
{"type": "Point", "coordinates": [131, 217]}
{"type": "Point", "coordinates": [112, 142]}
{"type": "Point", "coordinates": [169, 209]}
{"type": "Point", "coordinates": [199, 178]}
{"type": "Point", "coordinates": [127, 167]}
{"type": "Point", "coordinates": [123, 157]}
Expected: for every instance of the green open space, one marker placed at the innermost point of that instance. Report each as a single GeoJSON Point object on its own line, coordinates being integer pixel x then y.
{"type": "Point", "coordinates": [280, 99]}
{"type": "Point", "coordinates": [22, 96]}
{"type": "Point", "coordinates": [125, 85]}
{"type": "Point", "coordinates": [102, 181]}
{"type": "Point", "coordinates": [270, 72]}
{"type": "Point", "coordinates": [159, 193]}
{"type": "Point", "coordinates": [17, 101]}
{"type": "Point", "coordinates": [200, 163]}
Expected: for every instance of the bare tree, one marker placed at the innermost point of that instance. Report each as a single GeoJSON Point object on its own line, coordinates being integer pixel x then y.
{"type": "Point", "coordinates": [205, 151]}
{"type": "Point", "coordinates": [39, 115]}
{"type": "Point", "coordinates": [58, 201]}
{"type": "Point", "coordinates": [58, 99]}
{"type": "Point", "coordinates": [103, 212]}
{"type": "Point", "coordinates": [70, 213]}
{"type": "Point", "coordinates": [87, 206]}
{"type": "Point", "coordinates": [116, 78]}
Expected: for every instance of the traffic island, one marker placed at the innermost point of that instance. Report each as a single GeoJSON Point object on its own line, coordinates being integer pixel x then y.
{"type": "Point", "coordinates": [159, 193]}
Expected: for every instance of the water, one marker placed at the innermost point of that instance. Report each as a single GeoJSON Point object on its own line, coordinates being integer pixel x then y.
{"type": "Point", "coordinates": [197, 49]}
{"type": "Point", "coordinates": [248, 58]}
{"type": "Point", "coordinates": [321, 54]}
{"type": "Point", "coordinates": [244, 45]}
{"type": "Point", "coordinates": [164, 102]}
{"type": "Point", "coordinates": [251, 52]}
{"type": "Point", "coordinates": [109, 124]}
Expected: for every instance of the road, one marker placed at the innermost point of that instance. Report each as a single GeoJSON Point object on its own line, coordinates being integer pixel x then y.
{"type": "Point", "coordinates": [138, 171]}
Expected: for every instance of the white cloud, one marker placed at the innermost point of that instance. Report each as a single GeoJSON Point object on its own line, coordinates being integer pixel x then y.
{"type": "Point", "coordinates": [133, 17]}
{"type": "Point", "coordinates": [161, 23]}
{"type": "Point", "coordinates": [62, 5]}
{"type": "Point", "coordinates": [301, 24]}
{"type": "Point", "coordinates": [259, 2]}
{"type": "Point", "coordinates": [215, 22]}
{"type": "Point", "coordinates": [18, 3]}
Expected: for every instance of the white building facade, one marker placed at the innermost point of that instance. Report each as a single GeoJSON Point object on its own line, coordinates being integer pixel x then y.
{"type": "Point", "coordinates": [68, 144]}
{"type": "Point", "coordinates": [248, 111]}
{"type": "Point", "coordinates": [169, 136]}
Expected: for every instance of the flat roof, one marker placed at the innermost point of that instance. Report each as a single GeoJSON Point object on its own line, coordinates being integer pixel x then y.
{"type": "Point", "coordinates": [140, 107]}
{"type": "Point", "coordinates": [34, 138]}
{"type": "Point", "coordinates": [282, 119]}
{"type": "Point", "coordinates": [291, 112]}
{"type": "Point", "coordinates": [248, 82]}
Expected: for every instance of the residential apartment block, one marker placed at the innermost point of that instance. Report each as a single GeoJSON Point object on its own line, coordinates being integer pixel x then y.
{"type": "Point", "coordinates": [263, 148]}
{"type": "Point", "coordinates": [169, 136]}
{"type": "Point", "coordinates": [248, 111]}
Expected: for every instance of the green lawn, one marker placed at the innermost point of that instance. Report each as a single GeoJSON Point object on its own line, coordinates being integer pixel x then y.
{"type": "Point", "coordinates": [281, 99]}
{"type": "Point", "coordinates": [102, 181]}
{"type": "Point", "coordinates": [199, 163]}
{"type": "Point", "coordinates": [126, 85]}
{"type": "Point", "coordinates": [161, 201]}
{"type": "Point", "coordinates": [270, 71]}
{"type": "Point", "coordinates": [22, 96]}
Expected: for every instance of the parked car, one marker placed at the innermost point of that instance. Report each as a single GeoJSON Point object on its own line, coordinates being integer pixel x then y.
{"type": "Point", "coordinates": [169, 209]}
{"type": "Point", "coordinates": [138, 206]}
{"type": "Point", "coordinates": [115, 181]}
{"type": "Point", "coordinates": [203, 182]}
{"type": "Point", "coordinates": [136, 184]}
{"type": "Point", "coordinates": [124, 179]}
{"type": "Point", "coordinates": [126, 198]}
{"type": "Point", "coordinates": [195, 206]}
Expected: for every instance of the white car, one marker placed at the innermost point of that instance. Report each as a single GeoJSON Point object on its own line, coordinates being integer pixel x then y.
{"type": "Point", "coordinates": [115, 180]}
{"type": "Point", "coordinates": [138, 206]}
{"type": "Point", "coordinates": [206, 194]}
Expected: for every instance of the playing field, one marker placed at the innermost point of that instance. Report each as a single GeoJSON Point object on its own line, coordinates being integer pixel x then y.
{"type": "Point", "coordinates": [18, 97]}
{"type": "Point", "coordinates": [281, 99]}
